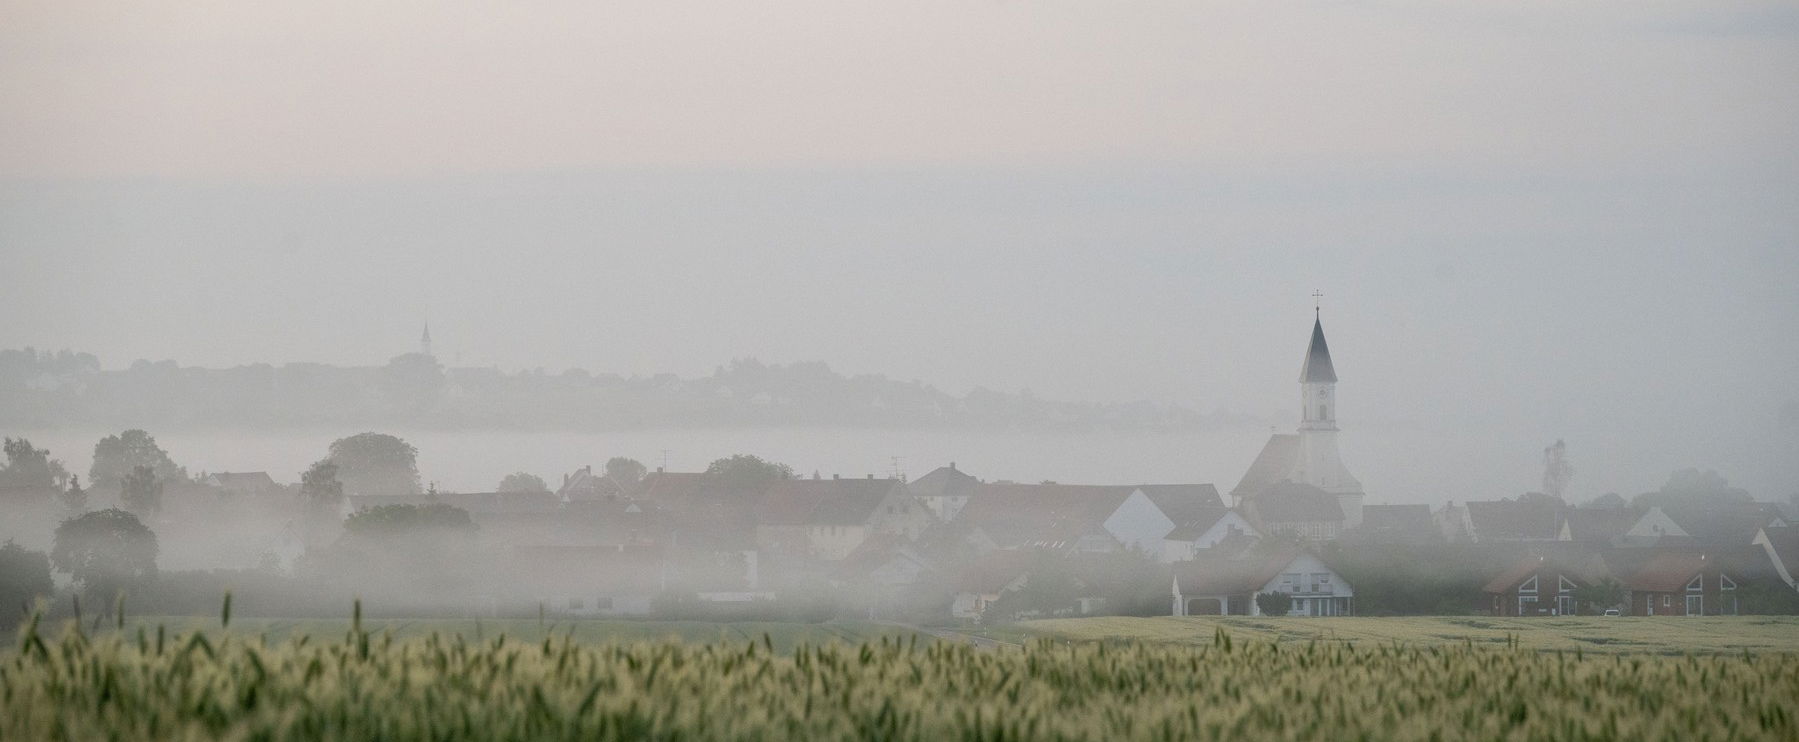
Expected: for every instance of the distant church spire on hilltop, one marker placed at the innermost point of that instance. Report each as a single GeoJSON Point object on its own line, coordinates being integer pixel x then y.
{"type": "Point", "coordinates": [425, 340]}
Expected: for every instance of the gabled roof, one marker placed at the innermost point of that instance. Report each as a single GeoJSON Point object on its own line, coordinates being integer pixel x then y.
{"type": "Point", "coordinates": [1722, 525]}
{"type": "Point", "coordinates": [585, 485]}
{"type": "Point", "coordinates": [1601, 524]}
{"type": "Point", "coordinates": [811, 502]}
{"type": "Point", "coordinates": [1668, 572]}
{"type": "Point", "coordinates": [1273, 464]}
{"type": "Point", "coordinates": [1784, 542]}
{"type": "Point", "coordinates": [1513, 575]}
{"type": "Point", "coordinates": [247, 481]}
{"type": "Point", "coordinates": [1232, 576]}
{"type": "Point", "coordinates": [1317, 366]}
{"type": "Point", "coordinates": [1295, 502]}
{"type": "Point", "coordinates": [943, 481]}
{"type": "Point", "coordinates": [1198, 525]}
{"type": "Point", "coordinates": [1013, 514]}
{"type": "Point", "coordinates": [1183, 502]}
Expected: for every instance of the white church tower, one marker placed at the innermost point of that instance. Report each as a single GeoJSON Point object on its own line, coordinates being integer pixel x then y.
{"type": "Point", "coordinates": [1317, 462]}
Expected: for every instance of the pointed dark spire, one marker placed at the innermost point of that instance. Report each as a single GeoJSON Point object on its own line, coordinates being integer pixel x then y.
{"type": "Point", "coordinates": [1318, 368]}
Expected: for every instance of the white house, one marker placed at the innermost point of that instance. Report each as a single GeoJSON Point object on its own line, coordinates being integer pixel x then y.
{"type": "Point", "coordinates": [1221, 586]}
{"type": "Point", "coordinates": [1189, 540]}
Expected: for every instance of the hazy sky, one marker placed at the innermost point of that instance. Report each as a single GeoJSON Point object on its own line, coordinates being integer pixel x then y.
{"type": "Point", "coordinates": [1530, 220]}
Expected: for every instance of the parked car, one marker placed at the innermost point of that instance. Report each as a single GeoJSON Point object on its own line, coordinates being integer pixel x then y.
{"type": "Point", "coordinates": [1612, 612]}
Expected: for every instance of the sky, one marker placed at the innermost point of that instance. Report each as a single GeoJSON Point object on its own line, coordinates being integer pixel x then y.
{"type": "Point", "coordinates": [1530, 220]}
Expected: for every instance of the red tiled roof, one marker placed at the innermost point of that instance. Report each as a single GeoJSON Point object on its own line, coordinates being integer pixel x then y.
{"type": "Point", "coordinates": [1019, 513]}
{"type": "Point", "coordinates": [1668, 572]}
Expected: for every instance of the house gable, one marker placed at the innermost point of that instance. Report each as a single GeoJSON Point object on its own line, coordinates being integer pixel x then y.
{"type": "Point", "coordinates": [1138, 523]}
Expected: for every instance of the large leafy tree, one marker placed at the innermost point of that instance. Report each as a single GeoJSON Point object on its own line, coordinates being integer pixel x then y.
{"type": "Point", "coordinates": [115, 456]}
{"type": "Point", "coordinates": [320, 488]}
{"type": "Point", "coordinates": [141, 491]}
{"type": "Point", "coordinates": [625, 471]}
{"type": "Point", "coordinates": [747, 472]}
{"type": "Point", "coordinates": [376, 464]}
{"type": "Point", "coordinates": [24, 576]}
{"type": "Point", "coordinates": [106, 551]}
{"type": "Point", "coordinates": [523, 482]}
{"type": "Point", "coordinates": [1693, 488]}
{"type": "Point", "coordinates": [31, 468]}
{"type": "Point", "coordinates": [74, 499]}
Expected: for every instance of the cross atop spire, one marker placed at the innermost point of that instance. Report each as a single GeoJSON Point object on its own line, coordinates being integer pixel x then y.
{"type": "Point", "coordinates": [1317, 300]}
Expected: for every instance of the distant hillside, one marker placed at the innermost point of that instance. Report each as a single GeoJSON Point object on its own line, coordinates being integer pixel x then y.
{"type": "Point", "coordinates": [40, 389]}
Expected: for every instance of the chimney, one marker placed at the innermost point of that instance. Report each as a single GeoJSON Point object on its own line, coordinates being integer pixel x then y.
{"type": "Point", "coordinates": [658, 470]}
{"type": "Point", "coordinates": [871, 476]}
{"type": "Point", "coordinates": [834, 476]}
{"type": "Point", "coordinates": [952, 466]}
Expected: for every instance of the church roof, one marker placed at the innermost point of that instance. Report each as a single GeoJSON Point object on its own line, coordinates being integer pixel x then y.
{"type": "Point", "coordinates": [1273, 464]}
{"type": "Point", "coordinates": [1318, 366]}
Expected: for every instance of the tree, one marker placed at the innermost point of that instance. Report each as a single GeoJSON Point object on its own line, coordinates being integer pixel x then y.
{"type": "Point", "coordinates": [74, 499]}
{"type": "Point", "coordinates": [115, 456]}
{"type": "Point", "coordinates": [105, 550]}
{"type": "Point", "coordinates": [24, 576]}
{"type": "Point", "coordinates": [141, 491]}
{"type": "Point", "coordinates": [376, 463]}
{"type": "Point", "coordinates": [625, 471]}
{"type": "Point", "coordinates": [1275, 603]}
{"type": "Point", "coordinates": [747, 472]}
{"type": "Point", "coordinates": [319, 486]}
{"type": "Point", "coordinates": [1557, 472]}
{"type": "Point", "coordinates": [31, 468]}
{"type": "Point", "coordinates": [1693, 487]}
{"type": "Point", "coordinates": [1606, 593]}
{"type": "Point", "coordinates": [523, 482]}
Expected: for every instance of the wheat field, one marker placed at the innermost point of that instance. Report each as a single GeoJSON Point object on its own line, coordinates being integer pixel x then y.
{"type": "Point", "coordinates": [149, 684]}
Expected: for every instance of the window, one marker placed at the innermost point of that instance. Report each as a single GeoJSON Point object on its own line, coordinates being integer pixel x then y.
{"type": "Point", "coordinates": [1565, 585]}
{"type": "Point", "coordinates": [1697, 585]}
{"type": "Point", "coordinates": [1323, 412]}
{"type": "Point", "coordinates": [1725, 583]}
{"type": "Point", "coordinates": [575, 604]}
{"type": "Point", "coordinates": [1667, 601]}
{"type": "Point", "coordinates": [1529, 586]}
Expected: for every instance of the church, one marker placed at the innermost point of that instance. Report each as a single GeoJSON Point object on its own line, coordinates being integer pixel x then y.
{"type": "Point", "coordinates": [1298, 483]}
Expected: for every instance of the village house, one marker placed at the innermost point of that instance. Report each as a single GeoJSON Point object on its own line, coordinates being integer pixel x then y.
{"type": "Point", "coordinates": [585, 486]}
{"type": "Point", "coordinates": [1211, 528]}
{"type": "Point", "coordinates": [1682, 584]}
{"type": "Point", "coordinates": [1782, 548]}
{"type": "Point", "coordinates": [1537, 586]}
{"type": "Point", "coordinates": [245, 484]}
{"type": "Point", "coordinates": [944, 491]}
{"type": "Point", "coordinates": [1228, 586]}
{"type": "Point", "coordinates": [827, 519]}
{"type": "Point", "coordinates": [1092, 518]}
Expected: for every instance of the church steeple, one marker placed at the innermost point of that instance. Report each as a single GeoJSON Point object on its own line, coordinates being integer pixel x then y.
{"type": "Point", "coordinates": [425, 340]}
{"type": "Point", "coordinates": [1318, 368]}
